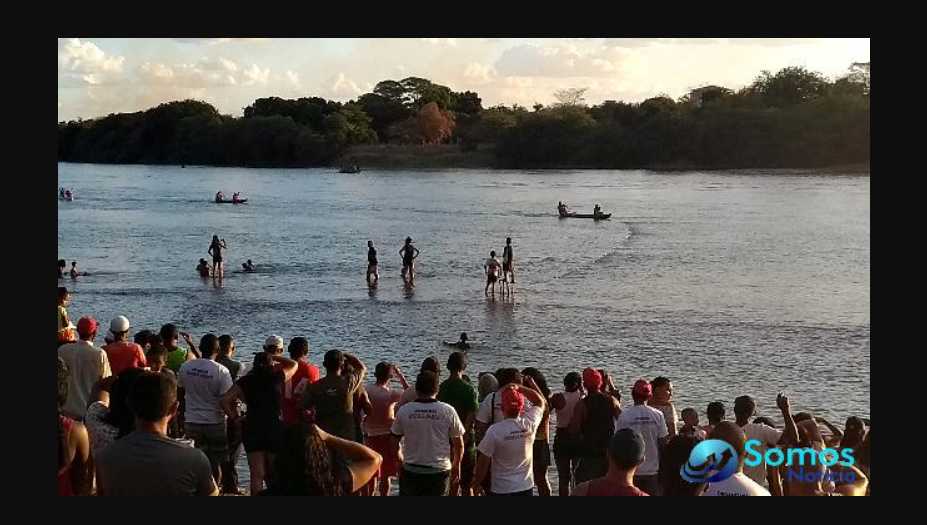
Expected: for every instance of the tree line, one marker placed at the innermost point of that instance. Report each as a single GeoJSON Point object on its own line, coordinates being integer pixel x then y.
{"type": "Point", "coordinates": [793, 118]}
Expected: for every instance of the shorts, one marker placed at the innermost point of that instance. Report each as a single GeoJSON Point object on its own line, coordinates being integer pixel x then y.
{"type": "Point", "coordinates": [263, 437]}
{"type": "Point", "coordinates": [421, 484]}
{"type": "Point", "coordinates": [372, 268]}
{"type": "Point", "coordinates": [467, 464]}
{"type": "Point", "coordinates": [506, 266]}
{"type": "Point", "coordinates": [492, 277]}
{"type": "Point", "coordinates": [541, 454]}
{"type": "Point", "coordinates": [217, 259]}
{"type": "Point", "coordinates": [212, 439]}
{"type": "Point", "coordinates": [565, 445]}
{"type": "Point", "coordinates": [383, 446]}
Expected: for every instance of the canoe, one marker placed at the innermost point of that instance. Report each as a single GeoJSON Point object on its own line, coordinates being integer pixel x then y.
{"type": "Point", "coordinates": [586, 216]}
{"type": "Point", "coordinates": [240, 201]}
{"type": "Point", "coordinates": [349, 170]}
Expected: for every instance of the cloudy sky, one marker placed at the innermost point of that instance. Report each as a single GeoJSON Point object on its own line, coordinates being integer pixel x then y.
{"type": "Point", "coordinates": [98, 76]}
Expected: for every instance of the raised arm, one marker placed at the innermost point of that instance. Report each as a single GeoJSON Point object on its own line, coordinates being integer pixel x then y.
{"type": "Point", "coordinates": [363, 462]}
{"type": "Point", "coordinates": [836, 433]}
{"type": "Point", "coordinates": [287, 366]}
{"type": "Point", "coordinates": [532, 393]}
{"type": "Point", "coordinates": [191, 345]}
{"type": "Point", "coordinates": [791, 429]}
{"type": "Point", "coordinates": [402, 379]}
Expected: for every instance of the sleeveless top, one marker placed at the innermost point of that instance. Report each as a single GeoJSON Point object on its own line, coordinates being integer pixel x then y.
{"type": "Point", "coordinates": [64, 475]}
{"type": "Point", "coordinates": [565, 414]}
{"type": "Point", "coordinates": [599, 425]}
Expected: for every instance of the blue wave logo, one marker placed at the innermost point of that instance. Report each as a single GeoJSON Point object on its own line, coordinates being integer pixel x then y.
{"type": "Point", "coordinates": [711, 461]}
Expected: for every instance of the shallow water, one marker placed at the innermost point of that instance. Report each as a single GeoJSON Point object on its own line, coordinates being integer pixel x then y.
{"type": "Point", "coordinates": [726, 282]}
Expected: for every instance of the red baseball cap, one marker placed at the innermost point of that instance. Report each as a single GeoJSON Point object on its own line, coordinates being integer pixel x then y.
{"type": "Point", "coordinates": [513, 401]}
{"type": "Point", "coordinates": [642, 388]}
{"type": "Point", "coordinates": [592, 379]}
{"type": "Point", "coordinates": [86, 326]}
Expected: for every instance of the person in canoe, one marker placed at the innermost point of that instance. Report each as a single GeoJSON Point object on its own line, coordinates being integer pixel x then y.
{"type": "Point", "coordinates": [248, 266]}
{"type": "Point", "coordinates": [235, 197]}
{"type": "Point", "coordinates": [68, 196]}
{"type": "Point", "coordinates": [61, 192]}
{"type": "Point", "coordinates": [408, 253]}
{"type": "Point", "coordinates": [493, 268]}
{"type": "Point", "coordinates": [462, 343]}
{"type": "Point", "coordinates": [597, 210]}
{"type": "Point", "coordinates": [215, 250]}
{"type": "Point", "coordinates": [220, 196]}
{"type": "Point", "coordinates": [203, 268]}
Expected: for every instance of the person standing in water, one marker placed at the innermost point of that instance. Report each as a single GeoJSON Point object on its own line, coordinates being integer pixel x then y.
{"type": "Point", "coordinates": [215, 249]}
{"type": "Point", "coordinates": [507, 261]}
{"type": "Point", "coordinates": [492, 267]}
{"type": "Point", "coordinates": [372, 265]}
{"type": "Point", "coordinates": [408, 254]}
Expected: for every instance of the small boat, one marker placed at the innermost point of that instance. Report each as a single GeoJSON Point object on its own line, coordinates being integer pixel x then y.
{"type": "Point", "coordinates": [226, 201]}
{"type": "Point", "coordinates": [350, 169]}
{"type": "Point", "coordinates": [573, 215]}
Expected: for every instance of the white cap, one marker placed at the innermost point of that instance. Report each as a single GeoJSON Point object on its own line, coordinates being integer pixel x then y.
{"type": "Point", "coordinates": [274, 341]}
{"type": "Point", "coordinates": [119, 324]}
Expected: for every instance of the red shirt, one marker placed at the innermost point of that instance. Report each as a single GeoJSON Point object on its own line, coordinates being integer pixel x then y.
{"type": "Point", "coordinates": [305, 375]}
{"type": "Point", "coordinates": [124, 355]}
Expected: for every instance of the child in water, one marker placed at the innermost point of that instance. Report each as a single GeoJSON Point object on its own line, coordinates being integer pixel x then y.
{"type": "Point", "coordinates": [203, 268]}
{"type": "Point", "coordinates": [74, 273]}
{"type": "Point", "coordinates": [248, 266]}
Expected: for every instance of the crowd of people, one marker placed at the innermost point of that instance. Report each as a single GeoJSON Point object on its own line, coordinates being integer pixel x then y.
{"type": "Point", "coordinates": [143, 415]}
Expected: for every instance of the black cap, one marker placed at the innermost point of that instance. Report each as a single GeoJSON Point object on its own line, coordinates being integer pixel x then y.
{"type": "Point", "coordinates": [626, 448]}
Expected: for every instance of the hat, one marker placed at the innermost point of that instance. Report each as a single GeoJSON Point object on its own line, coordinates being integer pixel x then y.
{"type": "Point", "coordinates": [119, 324]}
{"type": "Point", "coordinates": [592, 378]}
{"type": "Point", "coordinates": [626, 448]}
{"type": "Point", "coordinates": [86, 326]}
{"type": "Point", "coordinates": [513, 401]}
{"type": "Point", "coordinates": [274, 341]}
{"type": "Point", "coordinates": [642, 388]}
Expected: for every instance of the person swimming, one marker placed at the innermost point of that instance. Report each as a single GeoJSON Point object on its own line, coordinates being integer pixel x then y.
{"type": "Point", "coordinates": [248, 266]}
{"type": "Point", "coordinates": [235, 197]}
{"type": "Point", "coordinates": [203, 268]}
{"type": "Point", "coordinates": [74, 273]}
{"type": "Point", "coordinates": [462, 343]}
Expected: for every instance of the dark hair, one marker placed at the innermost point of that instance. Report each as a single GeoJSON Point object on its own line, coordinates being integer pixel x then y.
{"type": "Point", "coordinates": [457, 362]}
{"type": "Point", "coordinates": [659, 381]}
{"type": "Point", "coordinates": [156, 351]}
{"type": "Point", "coordinates": [492, 253]}
{"type": "Point", "coordinates": [62, 399]}
{"type": "Point", "coordinates": [426, 383]}
{"type": "Point", "coordinates": [120, 415]}
{"type": "Point", "coordinates": [169, 332]}
{"type": "Point", "coordinates": [508, 240]}
{"type": "Point", "coordinates": [333, 360]}
{"type": "Point", "coordinates": [674, 456]}
{"type": "Point", "coordinates": [225, 344]}
{"type": "Point", "coordinates": [572, 381]}
{"type": "Point", "coordinates": [744, 407]}
{"type": "Point", "coordinates": [152, 396]}
{"type": "Point", "coordinates": [304, 466]}
{"type": "Point", "coordinates": [463, 336]}
{"type": "Point", "coordinates": [688, 410]}
{"type": "Point", "coordinates": [62, 263]}
{"type": "Point", "coordinates": [802, 416]}
{"type": "Point", "coordinates": [430, 364]}
{"type": "Point", "coordinates": [143, 337]}
{"type": "Point", "coordinates": [539, 379]}
{"type": "Point", "coordinates": [62, 292]}
{"type": "Point", "coordinates": [864, 456]}
{"type": "Point", "coordinates": [263, 364]}
{"type": "Point", "coordinates": [298, 347]}
{"type": "Point", "coordinates": [381, 372]}
{"type": "Point", "coordinates": [209, 345]}
{"type": "Point", "coordinates": [508, 375]}
{"type": "Point", "coordinates": [715, 411]}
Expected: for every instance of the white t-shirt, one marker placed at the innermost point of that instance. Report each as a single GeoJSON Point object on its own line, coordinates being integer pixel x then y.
{"type": "Point", "coordinates": [490, 410]}
{"type": "Point", "coordinates": [768, 437]}
{"type": "Point", "coordinates": [426, 429]}
{"type": "Point", "coordinates": [87, 365]}
{"type": "Point", "coordinates": [669, 415]}
{"type": "Point", "coordinates": [565, 414]}
{"type": "Point", "coordinates": [204, 382]}
{"type": "Point", "coordinates": [383, 402]}
{"type": "Point", "coordinates": [650, 424]}
{"type": "Point", "coordinates": [737, 485]}
{"type": "Point", "coordinates": [493, 265]}
{"type": "Point", "coordinates": [510, 444]}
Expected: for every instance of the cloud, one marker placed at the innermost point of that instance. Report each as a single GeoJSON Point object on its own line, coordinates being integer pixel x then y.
{"type": "Point", "coordinates": [479, 73]}
{"type": "Point", "coordinates": [84, 63]}
{"type": "Point", "coordinates": [441, 41]}
{"type": "Point", "coordinates": [293, 78]}
{"type": "Point", "coordinates": [216, 41]}
{"type": "Point", "coordinates": [342, 87]}
{"type": "Point", "coordinates": [208, 72]}
{"type": "Point", "coordinates": [256, 75]}
{"type": "Point", "coordinates": [561, 60]}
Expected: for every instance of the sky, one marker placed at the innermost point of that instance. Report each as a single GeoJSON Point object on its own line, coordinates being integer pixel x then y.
{"type": "Point", "coordinates": [99, 76]}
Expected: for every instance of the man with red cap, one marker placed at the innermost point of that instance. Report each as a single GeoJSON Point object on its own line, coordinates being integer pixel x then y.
{"type": "Point", "coordinates": [593, 423]}
{"type": "Point", "coordinates": [87, 365]}
{"type": "Point", "coordinates": [509, 444]}
{"type": "Point", "coordinates": [651, 425]}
